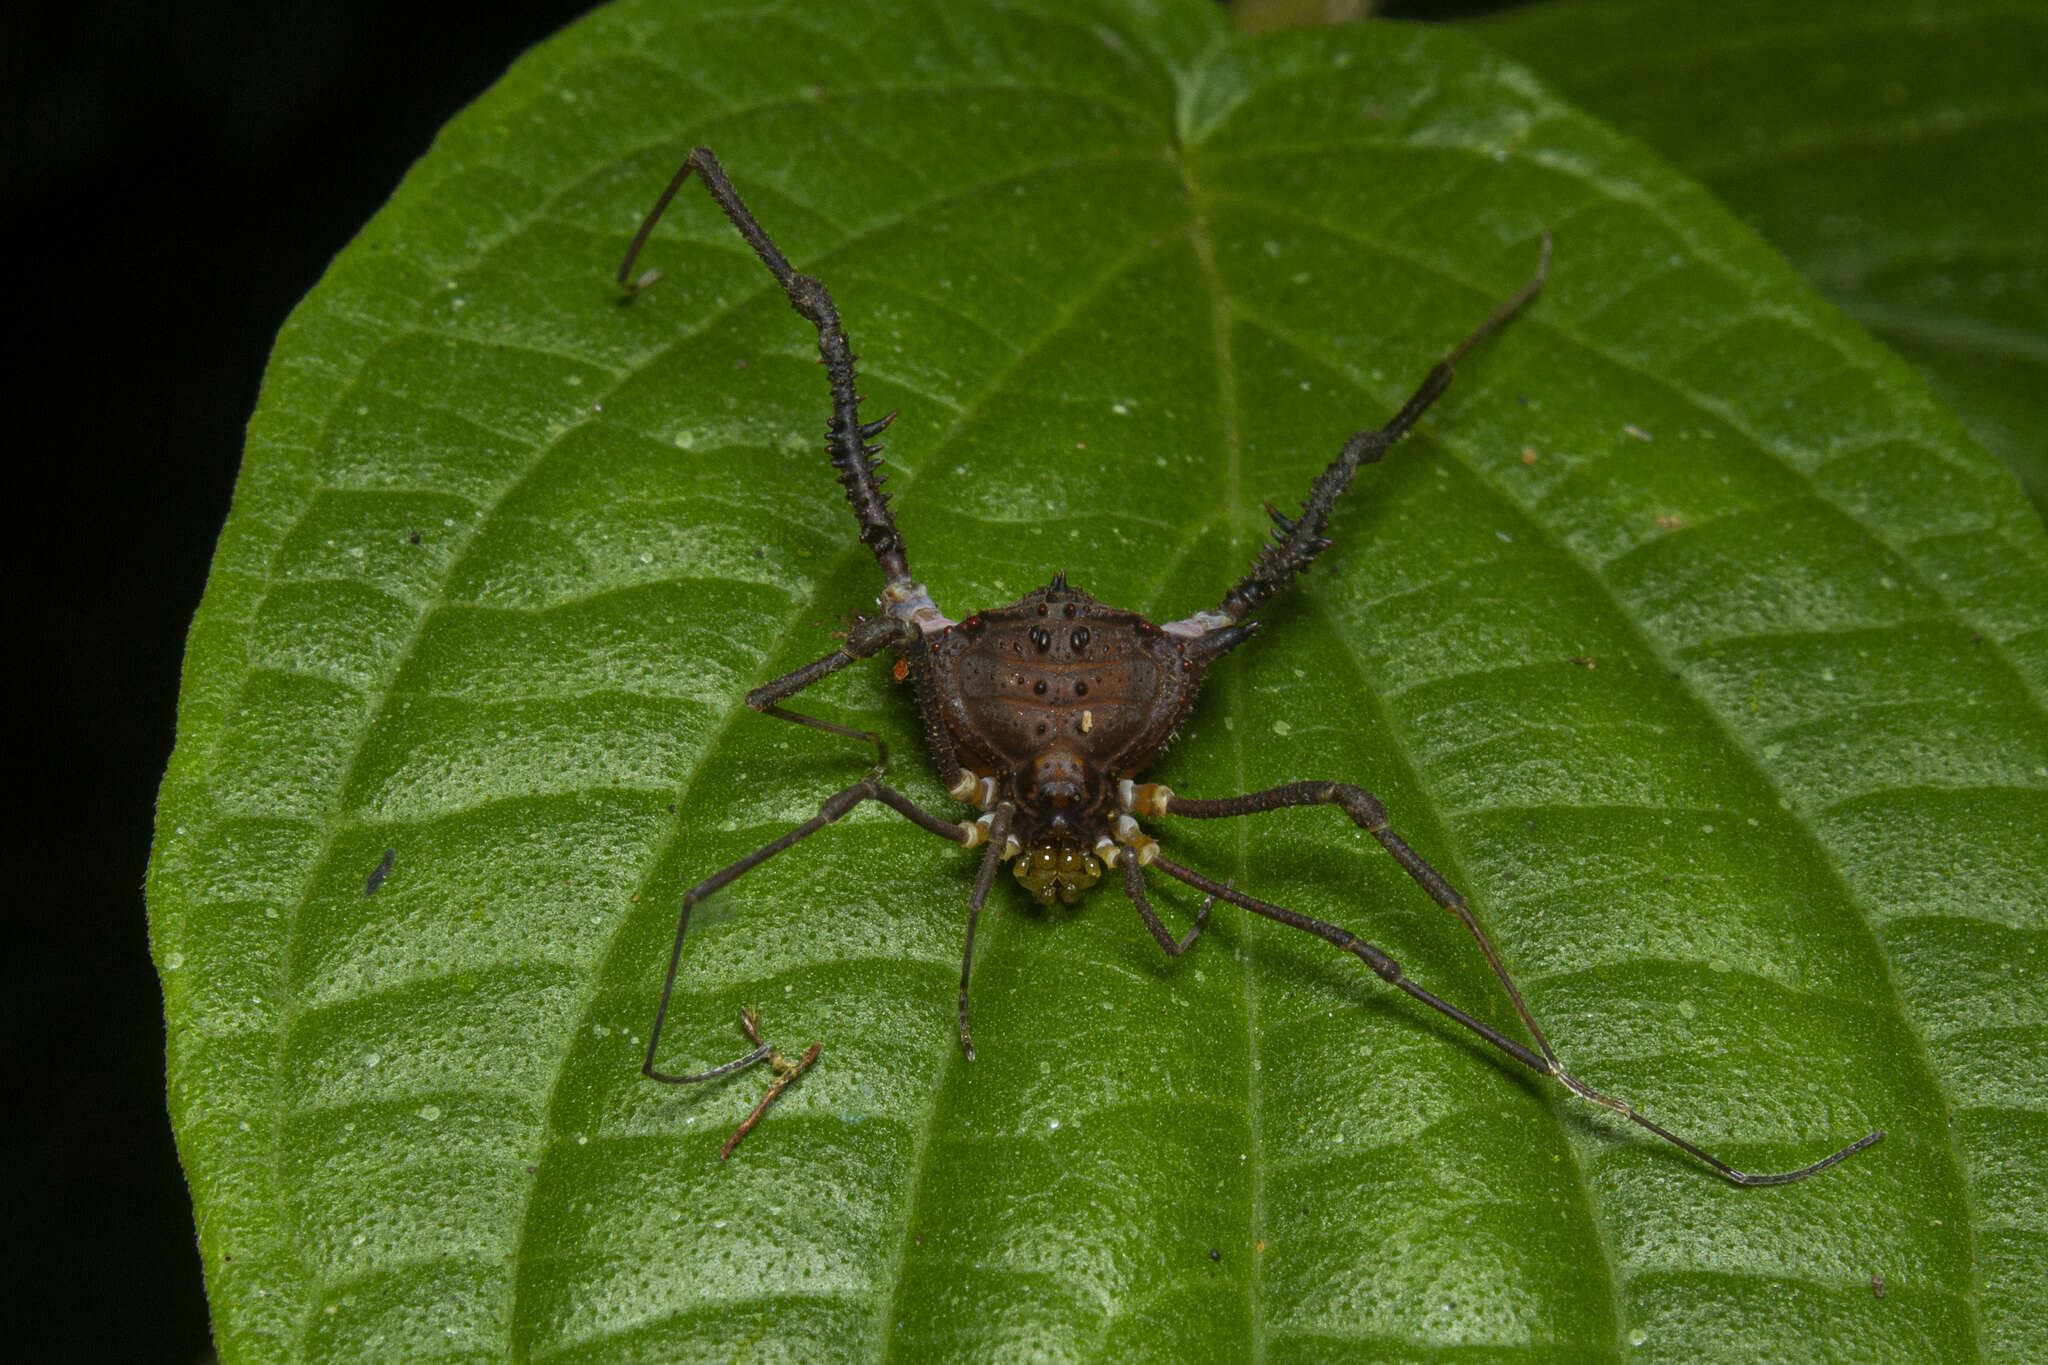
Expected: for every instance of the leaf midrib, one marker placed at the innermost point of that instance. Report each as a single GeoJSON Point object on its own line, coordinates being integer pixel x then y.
{"type": "Point", "coordinates": [1221, 316]}
{"type": "Point", "coordinates": [850, 560]}
{"type": "Point", "coordinates": [1226, 311]}
{"type": "Point", "coordinates": [912, 1202]}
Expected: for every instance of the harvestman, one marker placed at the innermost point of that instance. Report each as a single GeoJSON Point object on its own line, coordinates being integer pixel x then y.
{"type": "Point", "coordinates": [1049, 709]}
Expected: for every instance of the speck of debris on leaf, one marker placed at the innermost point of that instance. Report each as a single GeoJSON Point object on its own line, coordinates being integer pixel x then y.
{"type": "Point", "coordinates": [1631, 429]}
{"type": "Point", "coordinates": [1877, 1283]}
{"type": "Point", "coordinates": [1584, 661]}
{"type": "Point", "coordinates": [1529, 455]}
{"type": "Point", "coordinates": [413, 539]}
{"type": "Point", "coordinates": [382, 871]}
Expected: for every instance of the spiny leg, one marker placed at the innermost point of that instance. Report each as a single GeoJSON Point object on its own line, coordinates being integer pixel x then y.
{"type": "Point", "coordinates": [846, 434]}
{"type": "Point", "coordinates": [1297, 541]}
{"type": "Point", "coordinates": [1134, 887]}
{"type": "Point", "coordinates": [1390, 971]}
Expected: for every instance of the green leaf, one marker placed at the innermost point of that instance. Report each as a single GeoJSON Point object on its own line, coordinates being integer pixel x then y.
{"type": "Point", "coordinates": [1892, 151]}
{"type": "Point", "coordinates": [1727, 711]}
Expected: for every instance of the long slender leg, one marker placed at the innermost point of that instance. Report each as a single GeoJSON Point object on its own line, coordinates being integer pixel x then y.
{"type": "Point", "coordinates": [834, 807]}
{"type": "Point", "coordinates": [866, 639]}
{"type": "Point", "coordinates": [1390, 971]}
{"type": "Point", "coordinates": [846, 435]}
{"type": "Point", "coordinates": [1297, 541]}
{"type": "Point", "coordinates": [1134, 887]}
{"type": "Point", "coordinates": [1370, 815]}
{"type": "Point", "coordinates": [998, 838]}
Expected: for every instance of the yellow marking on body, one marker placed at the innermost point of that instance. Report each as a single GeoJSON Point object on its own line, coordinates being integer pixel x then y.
{"type": "Point", "coordinates": [1141, 844]}
{"type": "Point", "coordinates": [1151, 798]}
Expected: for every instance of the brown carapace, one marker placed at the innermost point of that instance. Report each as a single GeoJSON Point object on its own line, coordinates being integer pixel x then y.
{"type": "Point", "coordinates": [1056, 702]}
{"type": "Point", "coordinates": [1043, 714]}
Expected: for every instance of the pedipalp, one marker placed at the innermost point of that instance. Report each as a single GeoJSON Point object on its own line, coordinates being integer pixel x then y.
{"type": "Point", "coordinates": [1296, 541]}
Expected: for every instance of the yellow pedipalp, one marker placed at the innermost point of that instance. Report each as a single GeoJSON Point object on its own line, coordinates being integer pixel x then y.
{"type": "Point", "coordinates": [1060, 869]}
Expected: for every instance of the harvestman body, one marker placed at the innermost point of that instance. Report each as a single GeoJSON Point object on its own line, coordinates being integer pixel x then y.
{"type": "Point", "coordinates": [1047, 711]}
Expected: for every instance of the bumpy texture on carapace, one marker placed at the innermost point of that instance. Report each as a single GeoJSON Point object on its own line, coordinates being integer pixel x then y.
{"type": "Point", "coordinates": [1058, 698]}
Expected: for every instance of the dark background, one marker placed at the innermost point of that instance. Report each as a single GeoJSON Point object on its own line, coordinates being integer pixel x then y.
{"type": "Point", "coordinates": [175, 179]}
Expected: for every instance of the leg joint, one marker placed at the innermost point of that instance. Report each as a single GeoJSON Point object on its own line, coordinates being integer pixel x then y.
{"type": "Point", "coordinates": [871, 635]}
{"type": "Point", "coordinates": [1361, 805]}
{"type": "Point", "coordinates": [840, 802]}
{"type": "Point", "coordinates": [1383, 966]}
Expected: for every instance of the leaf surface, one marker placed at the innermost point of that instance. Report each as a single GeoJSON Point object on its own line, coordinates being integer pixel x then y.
{"type": "Point", "coordinates": [1688, 635]}
{"type": "Point", "coordinates": [1892, 152]}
